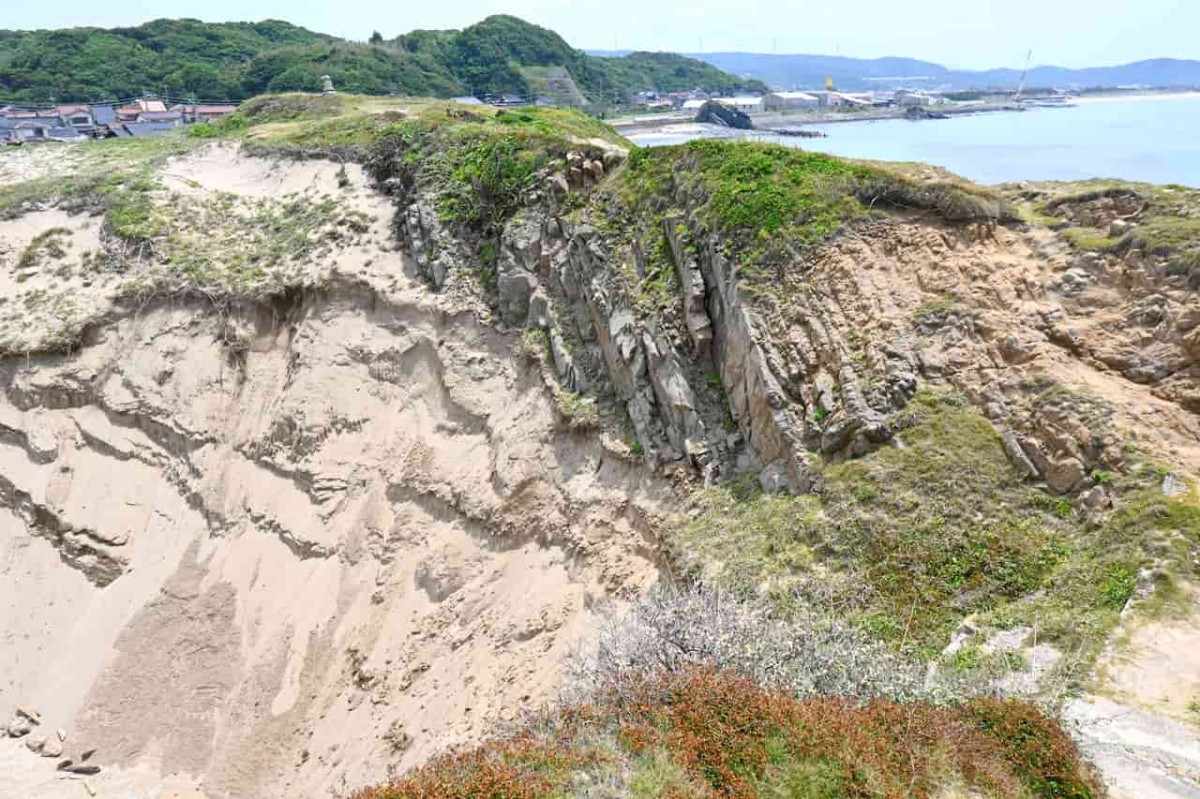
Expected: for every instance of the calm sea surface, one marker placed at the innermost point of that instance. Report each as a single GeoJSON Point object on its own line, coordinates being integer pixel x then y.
{"type": "Point", "coordinates": [1147, 139]}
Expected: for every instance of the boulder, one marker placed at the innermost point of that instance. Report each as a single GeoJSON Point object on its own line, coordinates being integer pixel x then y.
{"type": "Point", "coordinates": [613, 159]}
{"type": "Point", "coordinates": [1172, 486]}
{"type": "Point", "coordinates": [539, 316]}
{"type": "Point", "coordinates": [774, 478]}
{"type": "Point", "coordinates": [1096, 499]}
{"type": "Point", "coordinates": [19, 727]}
{"type": "Point", "coordinates": [556, 186]}
{"type": "Point", "coordinates": [594, 170]}
{"type": "Point", "coordinates": [1012, 448]}
{"type": "Point", "coordinates": [1065, 475]}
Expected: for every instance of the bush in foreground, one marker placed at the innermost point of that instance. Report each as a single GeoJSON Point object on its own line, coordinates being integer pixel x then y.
{"type": "Point", "coordinates": [707, 733]}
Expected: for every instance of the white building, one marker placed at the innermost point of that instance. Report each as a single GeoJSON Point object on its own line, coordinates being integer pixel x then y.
{"type": "Point", "coordinates": [906, 97]}
{"type": "Point", "coordinates": [693, 105]}
{"type": "Point", "coordinates": [748, 105]}
{"type": "Point", "coordinates": [827, 99]}
{"type": "Point", "coordinates": [782, 101]}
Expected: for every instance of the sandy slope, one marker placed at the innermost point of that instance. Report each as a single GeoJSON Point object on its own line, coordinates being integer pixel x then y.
{"type": "Point", "coordinates": [275, 551]}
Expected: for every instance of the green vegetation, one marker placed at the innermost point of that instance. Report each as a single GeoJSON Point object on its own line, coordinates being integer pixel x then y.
{"type": "Point", "coordinates": [910, 540]}
{"type": "Point", "coordinates": [225, 245]}
{"type": "Point", "coordinates": [935, 313]}
{"type": "Point", "coordinates": [158, 241]}
{"type": "Point", "coordinates": [579, 412]}
{"type": "Point", "coordinates": [104, 176]}
{"type": "Point", "coordinates": [45, 245]}
{"type": "Point", "coordinates": [770, 203]}
{"type": "Point", "coordinates": [476, 165]}
{"type": "Point", "coordinates": [703, 734]}
{"type": "Point", "coordinates": [233, 61]}
{"type": "Point", "coordinates": [1168, 223]}
{"type": "Point", "coordinates": [184, 57]}
{"type": "Point", "coordinates": [494, 55]}
{"type": "Point", "coordinates": [535, 344]}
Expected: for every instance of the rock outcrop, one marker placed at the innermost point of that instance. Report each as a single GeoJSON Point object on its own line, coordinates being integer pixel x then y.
{"type": "Point", "coordinates": [716, 113]}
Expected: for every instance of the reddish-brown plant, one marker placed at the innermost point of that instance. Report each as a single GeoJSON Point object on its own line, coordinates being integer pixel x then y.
{"type": "Point", "coordinates": [731, 736]}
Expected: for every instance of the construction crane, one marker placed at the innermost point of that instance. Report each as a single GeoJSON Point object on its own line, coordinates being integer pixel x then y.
{"type": "Point", "coordinates": [1024, 72]}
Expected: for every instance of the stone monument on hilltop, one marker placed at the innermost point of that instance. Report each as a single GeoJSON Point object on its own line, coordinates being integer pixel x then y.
{"type": "Point", "coordinates": [327, 85]}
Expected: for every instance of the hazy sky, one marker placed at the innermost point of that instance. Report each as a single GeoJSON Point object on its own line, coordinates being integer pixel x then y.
{"type": "Point", "coordinates": [958, 33]}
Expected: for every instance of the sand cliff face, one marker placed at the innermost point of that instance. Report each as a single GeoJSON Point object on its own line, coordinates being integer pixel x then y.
{"type": "Point", "coordinates": [272, 548]}
{"type": "Point", "coordinates": [276, 547]}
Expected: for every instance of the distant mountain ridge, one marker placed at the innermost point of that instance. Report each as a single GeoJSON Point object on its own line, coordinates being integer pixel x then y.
{"type": "Point", "coordinates": [235, 60]}
{"type": "Point", "coordinates": [810, 71]}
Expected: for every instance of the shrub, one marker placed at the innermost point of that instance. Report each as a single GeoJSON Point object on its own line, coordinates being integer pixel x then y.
{"type": "Point", "coordinates": [535, 345]}
{"type": "Point", "coordinates": [708, 733]}
{"type": "Point", "coordinates": [676, 629]}
{"type": "Point", "coordinates": [203, 130]}
{"type": "Point", "coordinates": [1039, 750]}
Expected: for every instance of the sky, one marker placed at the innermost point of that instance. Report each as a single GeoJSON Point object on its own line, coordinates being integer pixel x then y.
{"type": "Point", "coordinates": [964, 34]}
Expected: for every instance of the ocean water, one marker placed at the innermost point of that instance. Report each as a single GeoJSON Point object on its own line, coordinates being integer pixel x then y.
{"type": "Point", "coordinates": [1153, 139]}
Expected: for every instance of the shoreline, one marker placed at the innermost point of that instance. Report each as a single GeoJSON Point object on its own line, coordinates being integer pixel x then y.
{"type": "Point", "coordinates": [668, 124]}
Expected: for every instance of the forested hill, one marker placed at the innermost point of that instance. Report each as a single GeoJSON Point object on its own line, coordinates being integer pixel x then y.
{"type": "Point", "coordinates": [234, 60]}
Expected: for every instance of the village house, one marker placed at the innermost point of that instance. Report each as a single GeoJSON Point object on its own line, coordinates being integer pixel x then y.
{"type": "Point", "coordinates": [79, 121]}
{"type": "Point", "coordinates": [16, 130]}
{"type": "Point", "coordinates": [104, 115]}
{"type": "Point", "coordinates": [173, 117]}
{"type": "Point", "coordinates": [77, 116]}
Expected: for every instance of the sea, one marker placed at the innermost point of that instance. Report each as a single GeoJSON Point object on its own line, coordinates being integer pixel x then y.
{"type": "Point", "coordinates": [1151, 138]}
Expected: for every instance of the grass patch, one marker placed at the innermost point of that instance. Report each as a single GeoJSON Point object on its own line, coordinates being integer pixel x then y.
{"type": "Point", "coordinates": [1088, 239]}
{"type": "Point", "coordinates": [579, 412]}
{"type": "Point", "coordinates": [770, 203]}
{"type": "Point", "coordinates": [47, 245]}
{"type": "Point", "coordinates": [912, 539]}
{"type": "Point", "coordinates": [935, 313]}
{"type": "Point", "coordinates": [535, 345]}
{"type": "Point", "coordinates": [1168, 224]}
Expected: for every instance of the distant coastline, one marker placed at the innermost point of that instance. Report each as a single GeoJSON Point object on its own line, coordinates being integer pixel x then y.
{"type": "Point", "coordinates": [678, 123]}
{"type": "Point", "coordinates": [1118, 96]}
{"type": "Point", "coordinates": [1145, 137]}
